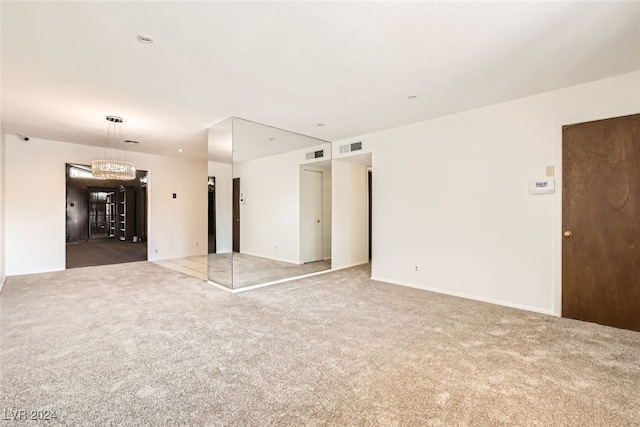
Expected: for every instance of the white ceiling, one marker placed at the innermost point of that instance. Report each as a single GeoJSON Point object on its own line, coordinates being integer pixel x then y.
{"type": "Point", "coordinates": [350, 65]}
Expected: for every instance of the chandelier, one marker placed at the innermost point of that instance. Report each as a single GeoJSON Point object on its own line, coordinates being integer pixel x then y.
{"type": "Point", "coordinates": [110, 168]}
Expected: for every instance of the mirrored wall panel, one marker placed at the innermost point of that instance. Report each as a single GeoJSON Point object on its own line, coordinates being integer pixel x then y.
{"type": "Point", "coordinates": [219, 203]}
{"type": "Point", "coordinates": [279, 205]}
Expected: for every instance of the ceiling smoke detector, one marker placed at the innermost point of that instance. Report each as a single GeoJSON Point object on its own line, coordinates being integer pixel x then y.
{"type": "Point", "coordinates": [143, 38]}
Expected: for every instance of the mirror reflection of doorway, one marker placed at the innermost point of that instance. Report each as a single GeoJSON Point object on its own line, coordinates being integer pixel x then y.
{"type": "Point", "coordinates": [106, 220]}
{"type": "Point", "coordinates": [311, 215]}
{"type": "Point", "coordinates": [211, 217]}
{"type": "Point", "coordinates": [236, 214]}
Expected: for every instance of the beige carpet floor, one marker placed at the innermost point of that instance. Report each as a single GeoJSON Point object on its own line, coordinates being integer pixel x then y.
{"type": "Point", "coordinates": [138, 344]}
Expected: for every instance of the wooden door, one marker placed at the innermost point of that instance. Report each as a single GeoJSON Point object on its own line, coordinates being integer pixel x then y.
{"type": "Point", "coordinates": [601, 222]}
{"type": "Point", "coordinates": [236, 214]}
{"type": "Point", "coordinates": [311, 212]}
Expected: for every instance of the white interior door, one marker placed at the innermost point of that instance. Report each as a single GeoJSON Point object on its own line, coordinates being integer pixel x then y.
{"type": "Point", "coordinates": [310, 215]}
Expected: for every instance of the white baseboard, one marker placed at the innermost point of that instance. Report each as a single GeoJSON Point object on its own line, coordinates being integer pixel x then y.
{"type": "Point", "coordinates": [288, 261]}
{"type": "Point", "coordinates": [2, 282]}
{"type": "Point", "coordinates": [262, 285]}
{"type": "Point", "coordinates": [219, 286]}
{"type": "Point", "coordinates": [466, 296]}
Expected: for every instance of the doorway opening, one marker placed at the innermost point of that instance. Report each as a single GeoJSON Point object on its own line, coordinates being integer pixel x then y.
{"type": "Point", "coordinates": [106, 220]}
{"type": "Point", "coordinates": [311, 214]}
{"type": "Point", "coordinates": [237, 195]}
{"type": "Point", "coordinates": [211, 216]}
{"type": "Point", "coordinates": [370, 198]}
{"type": "Point", "coordinates": [102, 215]}
{"type": "Point", "coordinates": [353, 230]}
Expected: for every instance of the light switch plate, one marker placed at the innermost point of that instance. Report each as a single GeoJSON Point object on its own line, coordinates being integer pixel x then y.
{"type": "Point", "coordinates": [550, 171]}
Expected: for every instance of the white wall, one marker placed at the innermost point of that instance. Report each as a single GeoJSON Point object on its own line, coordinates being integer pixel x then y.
{"type": "Point", "coordinates": [2, 209]}
{"type": "Point", "coordinates": [270, 217]}
{"type": "Point", "coordinates": [224, 205]}
{"type": "Point", "coordinates": [35, 203]}
{"type": "Point", "coordinates": [350, 214]}
{"type": "Point", "coordinates": [450, 195]}
{"type": "Point", "coordinates": [2, 195]}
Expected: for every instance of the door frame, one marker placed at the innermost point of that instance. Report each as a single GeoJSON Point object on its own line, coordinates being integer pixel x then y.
{"type": "Point", "coordinates": [556, 250]}
{"type": "Point", "coordinates": [63, 176]}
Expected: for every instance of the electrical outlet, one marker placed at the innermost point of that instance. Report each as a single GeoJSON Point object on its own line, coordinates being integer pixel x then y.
{"type": "Point", "coordinates": [416, 269]}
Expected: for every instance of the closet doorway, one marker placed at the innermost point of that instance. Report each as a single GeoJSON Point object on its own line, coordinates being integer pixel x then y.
{"type": "Point", "coordinates": [106, 220]}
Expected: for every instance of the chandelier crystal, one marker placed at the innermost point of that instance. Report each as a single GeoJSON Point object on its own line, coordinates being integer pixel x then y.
{"type": "Point", "coordinates": [112, 168]}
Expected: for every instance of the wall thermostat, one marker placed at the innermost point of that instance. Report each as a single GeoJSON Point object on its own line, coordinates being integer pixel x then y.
{"type": "Point", "coordinates": [542, 186]}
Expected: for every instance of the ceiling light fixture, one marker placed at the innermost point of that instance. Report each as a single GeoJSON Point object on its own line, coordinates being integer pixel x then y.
{"type": "Point", "coordinates": [110, 168]}
{"type": "Point", "coordinates": [143, 38]}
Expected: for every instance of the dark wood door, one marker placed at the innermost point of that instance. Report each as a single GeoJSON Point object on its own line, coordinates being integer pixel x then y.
{"type": "Point", "coordinates": [236, 214]}
{"type": "Point", "coordinates": [370, 189]}
{"type": "Point", "coordinates": [601, 222]}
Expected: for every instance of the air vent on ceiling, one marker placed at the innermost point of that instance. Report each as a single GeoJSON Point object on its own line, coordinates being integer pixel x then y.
{"type": "Point", "coordinates": [315, 155]}
{"type": "Point", "coordinates": [354, 146]}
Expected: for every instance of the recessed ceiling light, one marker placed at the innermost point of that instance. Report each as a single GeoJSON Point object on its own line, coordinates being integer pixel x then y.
{"type": "Point", "coordinates": [320, 124]}
{"type": "Point", "coordinates": [131, 141]}
{"type": "Point", "coordinates": [143, 38]}
{"type": "Point", "coordinates": [180, 150]}
{"type": "Point", "coordinates": [412, 96]}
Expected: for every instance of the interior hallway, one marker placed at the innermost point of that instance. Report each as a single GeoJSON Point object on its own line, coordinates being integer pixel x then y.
{"type": "Point", "coordinates": [89, 253]}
